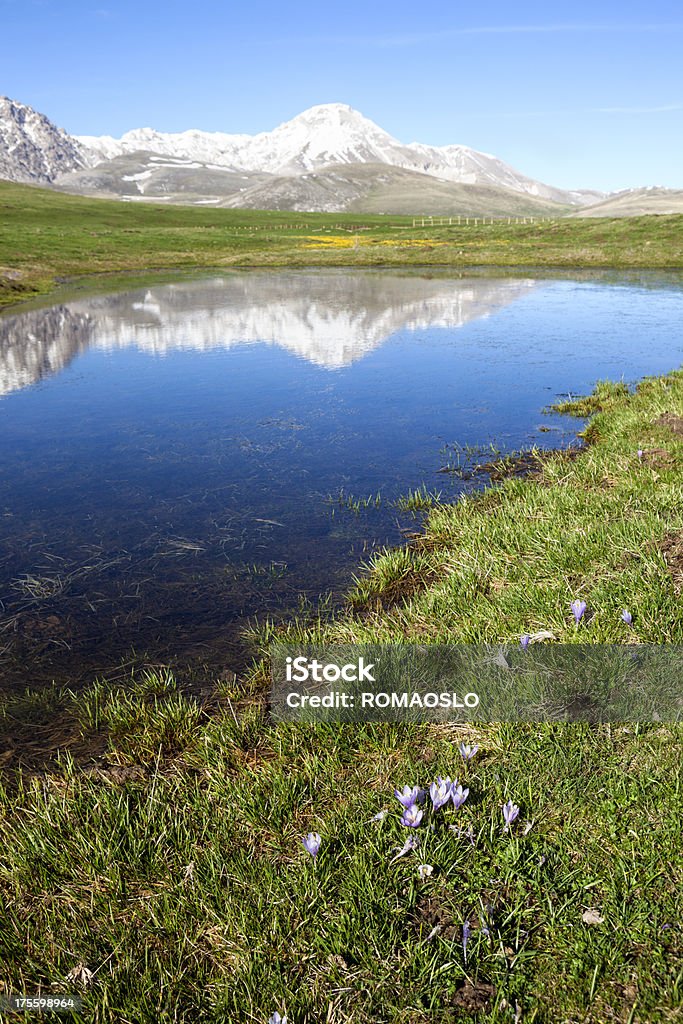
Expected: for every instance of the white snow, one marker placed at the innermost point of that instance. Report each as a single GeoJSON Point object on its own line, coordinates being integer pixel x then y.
{"type": "Point", "coordinates": [325, 134]}
{"type": "Point", "coordinates": [147, 199]}
{"type": "Point", "coordinates": [137, 177]}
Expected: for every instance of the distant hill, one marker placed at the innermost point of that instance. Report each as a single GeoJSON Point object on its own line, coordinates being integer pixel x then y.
{"type": "Point", "coordinates": [636, 202]}
{"type": "Point", "coordinates": [377, 188]}
{"type": "Point", "coordinates": [359, 188]}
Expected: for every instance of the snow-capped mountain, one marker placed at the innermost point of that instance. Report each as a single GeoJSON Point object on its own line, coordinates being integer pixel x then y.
{"type": "Point", "coordinates": [328, 158]}
{"type": "Point", "coordinates": [32, 149]}
{"type": "Point", "coordinates": [327, 134]}
{"type": "Point", "coordinates": [331, 133]}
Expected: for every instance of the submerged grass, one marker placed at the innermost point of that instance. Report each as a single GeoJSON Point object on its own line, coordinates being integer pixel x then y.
{"type": "Point", "coordinates": [418, 499]}
{"type": "Point", "coordinates": [170, 863]}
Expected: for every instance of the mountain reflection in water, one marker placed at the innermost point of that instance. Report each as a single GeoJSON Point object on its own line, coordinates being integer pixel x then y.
{"type": "Point", "coordinates": [331, 319]}
{"type": "Point", "coordinates": [176, 460]}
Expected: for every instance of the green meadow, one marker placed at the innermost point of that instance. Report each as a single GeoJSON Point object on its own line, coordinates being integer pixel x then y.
{"type": "Point", "coordinates": [151, 840]}
{"type": "Point", "coordinates": [47, 237]}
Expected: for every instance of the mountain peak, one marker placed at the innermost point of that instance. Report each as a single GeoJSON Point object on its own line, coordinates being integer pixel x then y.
{"type": "Point", "coordinates": [328, 133]}
{"type": "Point", "coordinates": [338, 114]}
{"type": "Point", "coordinates": [32, 148]}
{"type": "Point", "coordinates": [328, 109]}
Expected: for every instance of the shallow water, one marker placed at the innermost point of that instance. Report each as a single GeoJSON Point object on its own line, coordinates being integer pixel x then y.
{"type": "Point", "coordinates": [173, 457]}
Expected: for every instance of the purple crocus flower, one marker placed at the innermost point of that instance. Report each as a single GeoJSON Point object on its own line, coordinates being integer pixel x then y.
{"type": "Point", "coordinates": [524, 641]}
{"type": "Point", "coordinates": [409, 795]}
{"type": "Point", "coordinates": [510, 812]}
{"type": "Point", "coordinates": [312, 843]}
{"type": "Point", "coordinates": [627, 617]}
{"type": "Point", "coordinates": [578, 608]}
{"type": "Point", "coordinates": [458, 796]}
{"type": "Point", "coordinates": [277, 1019]}
{"type": "Point", "coordinates": [466, 932]}
{"type": "Point", "coordinates": [467, 752]}
{"type": "Point", "coordinates": [412, 816]}
{"type": "Point", "coordinates": [440, 792]}
{"type": "Point", "coordinates": [640, 453]}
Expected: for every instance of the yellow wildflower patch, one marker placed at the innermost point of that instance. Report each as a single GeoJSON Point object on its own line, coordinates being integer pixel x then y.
{"type": "Point", "coordinates": [329, 242]}
{"type": "Point", "coordinates": [355, 242]}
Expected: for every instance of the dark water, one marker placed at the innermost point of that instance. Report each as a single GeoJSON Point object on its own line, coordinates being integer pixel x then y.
{"type": "Point", "coordinates": [171, 458]}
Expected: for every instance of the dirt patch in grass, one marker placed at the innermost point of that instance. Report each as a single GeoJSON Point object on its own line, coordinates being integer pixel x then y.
{"type": "Point", "coordinates": [13, 287]}
{"type": "Point", "coordinates": [672, 549]}
{"type": "Point", "coordinates": [413, 582]}
{"type": "Point", "coordinates": [615, 1005]}
{"type": "Point", "coordinates": [430, 913]}
{"type": "Point", "coordinates": [670, 421]}
{"type": "Point", "coordinates": [474, 997]}
{"type": "Point", "coordinates": [521, 464]}
{"type": "Point", "coordinates": [657, 457]}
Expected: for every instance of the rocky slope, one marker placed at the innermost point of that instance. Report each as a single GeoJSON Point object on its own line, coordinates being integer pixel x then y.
{"type": "Point", "coordinates": [34, 150]}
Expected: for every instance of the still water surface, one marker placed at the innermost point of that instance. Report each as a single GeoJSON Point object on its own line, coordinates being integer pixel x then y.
{"type": "Point", "coordinates": [172, 457]}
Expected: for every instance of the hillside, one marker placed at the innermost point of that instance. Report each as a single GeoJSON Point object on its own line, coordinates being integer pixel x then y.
{"type": "Point", "coordinates": [636, 202]}
{"type": "Point", "coordinates": [380, 189]}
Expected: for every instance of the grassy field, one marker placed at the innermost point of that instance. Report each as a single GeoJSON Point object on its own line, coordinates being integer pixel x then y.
{"type": "Point", "coordinates": [46, 237]}
{"type": "Point", "coordinates": [162, 875]}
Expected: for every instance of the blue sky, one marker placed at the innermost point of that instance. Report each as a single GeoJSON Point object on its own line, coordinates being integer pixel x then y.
{"type": "Point", "coordinates": [574, 95]}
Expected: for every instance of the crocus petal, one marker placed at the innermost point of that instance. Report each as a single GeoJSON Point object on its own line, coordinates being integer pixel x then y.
{"type": "Point", "coordinates": [467, 752]}
{"type": "Point", "coordinates": [510, 812]}
{"type": "Point", "coordinates": [626, 617]}
{"type": "Point", "coordinates": [524, 641]}
{"type": "Point", "coordinates": [411, 843]}
{"type": "Point", "coordinates": [412, 816]}
{"type": "Point", "coordinates": [440, 792]}
{"type": "Point", "coordinates": [459, 795]}
{"type": "Point", "coordinates": [578, 608]}
{"type": "Point", "coordinates": [466, 932]}
{"type": "Point", "coordinates": [409, 795]}
{"type": "Point", "coordinates": [312, 843]}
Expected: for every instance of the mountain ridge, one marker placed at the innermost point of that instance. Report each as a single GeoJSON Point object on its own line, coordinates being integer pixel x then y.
{"type": "Point", "coordinates": [329, 158]}
{"type": "Point", "coordinates": [324, 135]}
